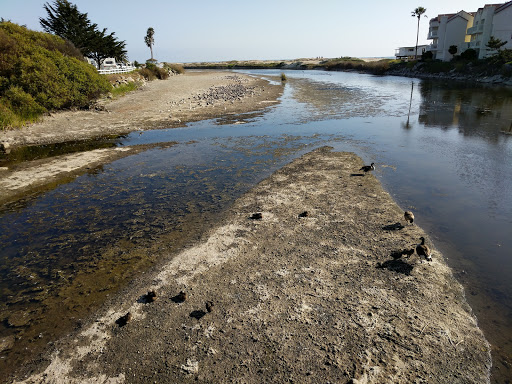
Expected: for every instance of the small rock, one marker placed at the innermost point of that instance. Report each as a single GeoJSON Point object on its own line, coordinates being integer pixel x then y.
{"type": "Point", "coordinates": [192, 366]}
{"type": "Point", "coordinates": [18, 319]}
{"type": "Point", "coordinates": [6, 343]}
{"type": "Point", "coordinates": [5, 148]}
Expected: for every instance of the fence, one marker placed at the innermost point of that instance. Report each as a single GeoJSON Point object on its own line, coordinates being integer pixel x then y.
{"type": "Point", "coordinates": [125, 69]}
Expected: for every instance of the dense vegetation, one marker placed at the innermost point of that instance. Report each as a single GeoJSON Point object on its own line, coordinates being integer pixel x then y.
{"type": "Point", "coordinates": [40, 72]}
{"type": "Point", "coordinates": [465, 64]}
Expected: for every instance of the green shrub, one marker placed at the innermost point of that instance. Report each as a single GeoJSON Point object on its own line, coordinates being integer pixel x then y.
{"type": "Point", "coordinates": [161, 73]}
{"type": "Point", "coordinates": [152, 72]}
{"type": "Point", "coordinates": [23, 104]}
{"type": "Point", "coordinates": [124, 89]}
{"type": "Point", "coordinates": [176, 68]}
{"type": "Point", "coordinates": [427, 55]}
{"type": "Point", "coordinates": [40, 72]}
{"type": "Point", "coordinates": [7, 116]}
{"type": "Point", "coordinates": [147, 73]}
{"type": "Point", "coordinates": [469, 54]}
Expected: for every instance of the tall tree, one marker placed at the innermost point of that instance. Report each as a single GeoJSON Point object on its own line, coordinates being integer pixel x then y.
{"type": "Point", "coordinates": [65, 20]}
{"type": "Point", "coordinates": [418, 12]}
{"type": "Point", "coordinates": [150, 40]}
{"type": "Point", "coordinates": [103, 46]}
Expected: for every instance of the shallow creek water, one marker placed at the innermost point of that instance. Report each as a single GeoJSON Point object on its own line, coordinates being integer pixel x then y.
{"type": "Point", "coordinates": [442, 150]}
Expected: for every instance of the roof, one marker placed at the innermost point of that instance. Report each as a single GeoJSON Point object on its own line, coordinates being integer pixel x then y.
{"type": "Point", "coordinates": [461, 14]}
{"type": "Point", "coordinates": [502, 7]}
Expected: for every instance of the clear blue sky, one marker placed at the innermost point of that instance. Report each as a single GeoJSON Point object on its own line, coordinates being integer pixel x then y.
{"type": "Point", "coordinates": [214, 30]}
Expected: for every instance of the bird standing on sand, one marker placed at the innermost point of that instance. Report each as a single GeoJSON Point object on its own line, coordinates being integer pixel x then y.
{"type": "Point", "coordinates": [368, 168]}
{"type": "Point", "coordinates": [423, 250]}
{"type": "Point", "coordinates": [409, 217]}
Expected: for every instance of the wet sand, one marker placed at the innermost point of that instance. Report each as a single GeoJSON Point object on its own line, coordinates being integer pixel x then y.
{"type": "Point", "coordinates": [288, 297]}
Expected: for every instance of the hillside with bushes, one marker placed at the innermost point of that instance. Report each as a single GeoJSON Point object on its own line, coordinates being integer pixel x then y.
{"type": "Point", "coordinates": [40, 72]}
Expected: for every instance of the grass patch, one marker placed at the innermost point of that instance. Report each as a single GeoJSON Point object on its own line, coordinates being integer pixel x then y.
{"type": "Point", "coordinates": [123, 89]}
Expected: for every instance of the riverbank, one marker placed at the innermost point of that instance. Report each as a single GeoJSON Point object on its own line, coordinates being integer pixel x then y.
{"type": "Point", "coordinates": [298, 297]}
{"type": "Point", "coordinates": [477, 73]}
{"type": "Point", "coordinates": [168, 103]}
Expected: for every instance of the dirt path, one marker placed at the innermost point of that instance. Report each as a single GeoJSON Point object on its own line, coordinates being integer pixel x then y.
{"type": "Point", "coordinates": [309, 299]}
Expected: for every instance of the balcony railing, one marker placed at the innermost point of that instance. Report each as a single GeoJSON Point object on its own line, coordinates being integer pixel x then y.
{"type": "Point", "coordinates": [475, 29]}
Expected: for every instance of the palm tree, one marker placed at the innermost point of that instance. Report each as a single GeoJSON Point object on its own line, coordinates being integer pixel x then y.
{"type": "Point", "coordinates": [417, 13]}
{"type": "Point", "coordinates": [150, 40]}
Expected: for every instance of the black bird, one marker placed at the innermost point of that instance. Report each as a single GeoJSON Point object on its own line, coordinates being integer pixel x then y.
{"type": "Point", "coordinates": [123, 320]}
{"type": "Point", "coordinates": [180, 297]}
{"type": "Point", "coordinates": [409, 217]}
{"type": "Point", "coordinates": [423, 250]}
{"type": "Point", "coordinates": [150, 297]}
{"type": "Point", "coordinates": [368, 168]}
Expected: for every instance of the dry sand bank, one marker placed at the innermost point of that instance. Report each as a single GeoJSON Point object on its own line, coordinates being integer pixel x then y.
{"type": "Point", "coordinates": [159, 104]}
{"type": "Point", "coordinates": [296, 299]}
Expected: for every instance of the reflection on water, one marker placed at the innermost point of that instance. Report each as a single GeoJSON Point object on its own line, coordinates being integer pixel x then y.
{"type": "Point", "coordinates": [486, 113]}
{"type": "Point", "coordinates": [440, 150]}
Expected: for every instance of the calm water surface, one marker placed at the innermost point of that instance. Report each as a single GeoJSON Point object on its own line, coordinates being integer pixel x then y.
{"type": "Point", "coordinates": [442, 150]}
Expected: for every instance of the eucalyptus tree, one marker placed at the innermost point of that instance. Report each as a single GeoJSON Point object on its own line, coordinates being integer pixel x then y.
{"type": "Point", "coordinates": [150, 40]}
{"type": "Point", "coordinates": [418, 12]}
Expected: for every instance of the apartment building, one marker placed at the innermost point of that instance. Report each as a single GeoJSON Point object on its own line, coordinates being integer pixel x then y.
{"type": "Point", "coordinates": [482, 29]}
{"type": "Point", "coordinates": [502, 24]}
{"type": "Point", "coordinates": [469, 30]}
{"type": "Point", "coordinates": [448, 30]}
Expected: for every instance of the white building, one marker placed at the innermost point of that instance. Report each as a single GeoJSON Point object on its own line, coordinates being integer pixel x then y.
{"type": "Point", "coordinates": [491, 20]}
{"type": "Point", "coordinates": [409, 53]}
{"type": "Point", "coordinates": [467, 30]}
{"type": "Point", "coordinates": [449, 30]}
{"type": "Point", "coordinates": [482, 29]}
{"type": "Point", "coordinates": [502, 24]}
